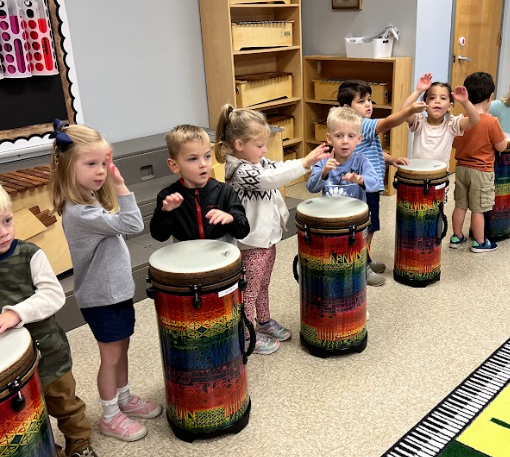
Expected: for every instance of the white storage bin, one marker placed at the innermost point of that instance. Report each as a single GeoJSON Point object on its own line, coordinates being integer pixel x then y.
{"type": "Point", "coordinates": [378, 47]}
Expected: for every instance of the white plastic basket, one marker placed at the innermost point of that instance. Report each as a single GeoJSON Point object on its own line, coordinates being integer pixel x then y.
{"type": "Point", "coordinates": [378, 47]}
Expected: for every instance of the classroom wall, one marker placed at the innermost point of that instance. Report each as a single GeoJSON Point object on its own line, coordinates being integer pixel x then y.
{"type": "Point", "coordinates": [139, 64]}
{"type": "Point", "coordinates": [432, 52]}
{"type": "Point", "coordinates": [324, 28]}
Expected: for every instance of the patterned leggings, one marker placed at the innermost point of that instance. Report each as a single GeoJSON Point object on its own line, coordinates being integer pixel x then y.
{"type": "Point", "coordinates": [259, 264]}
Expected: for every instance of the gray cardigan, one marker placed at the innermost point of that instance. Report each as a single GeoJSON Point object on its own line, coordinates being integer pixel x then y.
{"type": "Point", "coordinates": [101, 261]}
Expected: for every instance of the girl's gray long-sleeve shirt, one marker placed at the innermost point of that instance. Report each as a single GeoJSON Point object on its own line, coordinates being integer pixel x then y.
{"type": "Point", "coordinates": [101, 262]}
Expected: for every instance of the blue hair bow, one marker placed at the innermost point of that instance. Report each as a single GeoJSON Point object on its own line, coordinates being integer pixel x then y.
{"type": "Point", "coordinates": [62, 139]}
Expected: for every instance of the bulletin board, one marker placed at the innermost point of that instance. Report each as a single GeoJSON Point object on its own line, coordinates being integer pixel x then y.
{"type": "Point", "coordinates": [29, 105]}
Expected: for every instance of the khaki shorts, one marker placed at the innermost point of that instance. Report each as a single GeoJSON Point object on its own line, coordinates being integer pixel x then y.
{"type": "Point", "coordinates": [474, 189]}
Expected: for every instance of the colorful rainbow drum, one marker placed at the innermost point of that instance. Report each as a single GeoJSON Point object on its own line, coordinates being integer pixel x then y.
{"type": "Point", "coordinates": [332, 259]}
{"type": "Point", "coordinates": [497, 221]}
{"type": "Point", "coordinates": [196, 286]}
{"type": "Point", "coordinates": [421, 222]}
{"type": "Point", "coordinates": [25, 429]}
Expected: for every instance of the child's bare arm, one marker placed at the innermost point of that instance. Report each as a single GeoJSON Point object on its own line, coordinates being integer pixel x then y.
{"type": "Point", "coordinates": [460, 94]}
{"type": "Point", "coordinates": [395, 119]}
{"type": "Point", "coordinates": [421, 86]}
{"type": "Point", "coordinates": [501, 146]}
{"type": "Point", "coordinates": [390, 160]}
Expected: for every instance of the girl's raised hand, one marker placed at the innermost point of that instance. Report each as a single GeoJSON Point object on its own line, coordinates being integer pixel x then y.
{"type": "Point", "coordinates": [424, 82]}
{"type": "Point", "coordinates": [319, 153]}
{"type": "Point", "coordinates": [172, 201]}
{"type": "Point", "coordinates": [113, 171]}
{"type": "Point", "coordinates": [116, 177]}
{"type": "Point", "coordinates": [418, 107]}
{"type": "Point", "coordinates": [460, 94]}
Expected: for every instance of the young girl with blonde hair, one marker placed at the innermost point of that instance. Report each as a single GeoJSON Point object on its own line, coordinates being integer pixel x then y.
{"type": "Point", "coordinates": [97, 208]}
{"type": "Point", "coordinates": [241, 137]}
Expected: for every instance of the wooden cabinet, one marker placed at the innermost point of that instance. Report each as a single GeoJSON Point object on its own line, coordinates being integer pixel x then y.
{"type": "Point", "coordinates": [393, 75]}
{"type": "Point", "coordinates": [244, 40]}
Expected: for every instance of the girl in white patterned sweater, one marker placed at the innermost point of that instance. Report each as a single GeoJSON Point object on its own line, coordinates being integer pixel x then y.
{"type": "Point", "coordinates": [241, 137]}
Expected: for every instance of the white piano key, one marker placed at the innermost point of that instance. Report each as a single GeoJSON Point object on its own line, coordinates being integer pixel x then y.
{"type": "Point", "coordinates": [425, 445]}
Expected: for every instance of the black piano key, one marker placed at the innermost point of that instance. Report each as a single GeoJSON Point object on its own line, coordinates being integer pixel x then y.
{"type": "Point", "coordinates": [463, 406]}
{"type": "Point", "coordinates": [425, 446]}
{"type": "Point", "coordinates": [440, 440]}
{"type": "Point", "coordinates": [502, 367]}
{"type": "Point", "coordinates": [445, 431]}
{"type": "Point", "coordinates": [401, 453]}
{"type": "Point", "coordinates": [446, 424]}
{"type": "Point", "coordinates": [459, 410]}
{"type": "Point", "coordinates": [435, 430]}
{"type": "Point", "coordinates": [475, 402]}
{"type": "Point", "coordinates": [483, 385]}
{"type": "Point", "coordinates": [477, 391]}
{"type": "Point", "coordinates": [454, 420]}
{"type": "Point", "coordinates": [450, 409]}
{"type": "Point", "coordinates": [495, 376]}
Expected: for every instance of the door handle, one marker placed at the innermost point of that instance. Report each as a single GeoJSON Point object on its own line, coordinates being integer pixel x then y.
{"type": "Point", "coordinates": [466, 59]}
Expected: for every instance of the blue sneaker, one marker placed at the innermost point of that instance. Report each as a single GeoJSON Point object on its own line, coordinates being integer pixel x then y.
{"type": "Point", "coordinates": [487, 246]}
{"type": "Point", "coordinates": [455, 241]}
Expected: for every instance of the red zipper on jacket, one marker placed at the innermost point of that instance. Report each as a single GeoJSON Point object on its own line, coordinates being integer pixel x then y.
{"type": "Point", "coordinates": [201, 231]}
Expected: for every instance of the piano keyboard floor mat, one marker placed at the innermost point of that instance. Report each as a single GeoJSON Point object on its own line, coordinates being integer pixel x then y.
{"type": "Point", "coordinates": [472, 421]}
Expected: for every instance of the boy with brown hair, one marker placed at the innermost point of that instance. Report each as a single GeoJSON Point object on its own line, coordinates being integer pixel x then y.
{"type": "Point", "coordinates": [196, 206]}
{"type": "Point", "coordinates": [474, 173]}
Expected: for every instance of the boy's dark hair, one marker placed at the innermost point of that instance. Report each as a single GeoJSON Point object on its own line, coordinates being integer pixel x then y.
{"type": "Point", "coordinates": [480, 86]}
{"type": "Point", "coordinates": [440, 84]}
{"type": "Point", "coordinates": [349, 89]}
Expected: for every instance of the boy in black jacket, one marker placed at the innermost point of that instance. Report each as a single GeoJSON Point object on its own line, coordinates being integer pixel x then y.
{"type": "Point", "coordinates": [197, 206]}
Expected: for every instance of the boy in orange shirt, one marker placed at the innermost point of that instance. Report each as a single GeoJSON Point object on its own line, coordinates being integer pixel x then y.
{"type": "Point", "coordinates": [474, 174]}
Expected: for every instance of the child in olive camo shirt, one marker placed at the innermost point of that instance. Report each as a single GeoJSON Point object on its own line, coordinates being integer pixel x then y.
{"type": "Point", "coordinates": [30, 295]}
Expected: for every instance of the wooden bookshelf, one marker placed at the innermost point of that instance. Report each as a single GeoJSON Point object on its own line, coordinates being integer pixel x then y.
{"type": "Point", "coordinates": [395, 71]}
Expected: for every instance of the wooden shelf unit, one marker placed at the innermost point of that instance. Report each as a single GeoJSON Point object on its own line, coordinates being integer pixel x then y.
{"type": "Point", "coordinates": [396, 71]}
{"type": "Point", "coordinates": [223, 64]}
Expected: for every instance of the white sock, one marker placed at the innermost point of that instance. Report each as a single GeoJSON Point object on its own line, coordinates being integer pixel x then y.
{"type": "Point", "coordinates": [110, 408]}
{"type": "Point", "coordinates": [124, 394]}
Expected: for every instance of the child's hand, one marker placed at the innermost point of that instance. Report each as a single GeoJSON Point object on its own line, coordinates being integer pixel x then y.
{"type": "Point", "coordinates": [418, 107]}
{"type": "Point", "coordinates": [113, 171]}
{"type": "Point", "coordinates": [319, 153]}
{"type": "Point", "coordinates": [172, 201]}
{"type": "Point", "coordinates": [460, 94]}
{"type": "Point", "coordinates": [353, 177]}
{"type": "Point", "coordinates": [217, 216]}
{"type": "Point", "coordinates": [424, 82]}
{"type": "Point", "coordinates": [331, 164]}
{"type": "Point", "coordinates": [400, 161]}
{"type": "Point", "coordinates": [9, 319]}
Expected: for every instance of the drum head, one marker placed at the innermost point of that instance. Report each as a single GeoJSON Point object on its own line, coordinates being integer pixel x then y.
{"type": "Point", "coordinates": [194, 262]}
{"type": "Point", "coordinates": [423, 169]}
{"type": "Point", "coordinates": [332, 212]}
{"type": "Point", "coordinates": [17, 354]}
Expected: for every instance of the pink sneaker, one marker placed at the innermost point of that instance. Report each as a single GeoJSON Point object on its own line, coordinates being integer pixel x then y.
{"type": "Point", "coordinates": [122, 428]}
{"type": "Point", "coordinates": [136, 407]}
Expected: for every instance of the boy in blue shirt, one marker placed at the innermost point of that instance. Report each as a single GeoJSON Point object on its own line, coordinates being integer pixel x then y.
{"type": "Point", "coordinates": [358, 95]}
{"type": "Point", "coordinates": [346, 171]}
